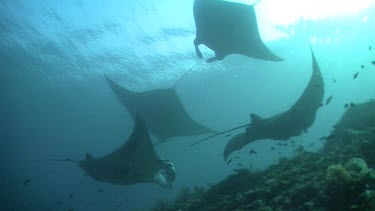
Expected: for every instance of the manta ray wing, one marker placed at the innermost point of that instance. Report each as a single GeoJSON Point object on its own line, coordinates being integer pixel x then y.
{"type": "Point", "coordinates": [229, 28]}
{"type": "Point", "coordinates": [286, 124]}
{"type": "Point", "coordinates": [135, 162]}
{"type": "Point", "coordinates": [162, 111]}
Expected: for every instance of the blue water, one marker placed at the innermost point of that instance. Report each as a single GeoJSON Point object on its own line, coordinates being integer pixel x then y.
{"type": "Point", "coordinates": [55, 102]}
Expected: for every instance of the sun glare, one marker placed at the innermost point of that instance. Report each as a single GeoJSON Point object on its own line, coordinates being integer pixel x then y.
{"type": "Point", "coordinates": [275, 13]}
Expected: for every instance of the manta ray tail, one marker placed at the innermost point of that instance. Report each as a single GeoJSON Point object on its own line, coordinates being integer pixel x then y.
{"type": "Point", "coordinates": [256, 3]}
{"type": "Point", "coordinates": [217, 134]}
{"type": "Point", "coordinates": [179, 80]}
{"type": "Point", "coordinates": [56, 160]}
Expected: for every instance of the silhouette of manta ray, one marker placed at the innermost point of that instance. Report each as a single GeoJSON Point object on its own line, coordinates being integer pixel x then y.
{"type": "Point", "coordinates": [162, 111]}
{"type": "Point", "coordinates": [134, 162]}
{"type": "Point", "coordinates": [284, 125]}
{"type": "Point", "coordinates": [229, 28]}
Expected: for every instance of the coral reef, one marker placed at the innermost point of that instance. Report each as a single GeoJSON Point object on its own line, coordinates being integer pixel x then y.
{"type": "Point", "coordinates": [338, 177]}
{"type": "Point", "coordinates": [355, 170]}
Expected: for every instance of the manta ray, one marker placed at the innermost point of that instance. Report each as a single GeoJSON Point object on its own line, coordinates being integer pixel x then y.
{"type": "Point", "coordinates": [284, 125]}
{"type": "Point", "coordinates": [229, 28]}
{"type": "Point", "coordinates": [134, 162]}
{"type": "Point", "coordinates": [162, 111]}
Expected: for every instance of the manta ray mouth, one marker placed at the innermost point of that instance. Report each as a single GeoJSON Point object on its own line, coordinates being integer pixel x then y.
{"type": "Point", "coordinates": [161, 179]}
{"type": "Point", "coordinates": [226, 153]}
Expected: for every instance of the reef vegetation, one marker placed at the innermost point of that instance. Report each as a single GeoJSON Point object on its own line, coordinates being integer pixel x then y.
{"type": "Point", "coordinates": [340, 176]}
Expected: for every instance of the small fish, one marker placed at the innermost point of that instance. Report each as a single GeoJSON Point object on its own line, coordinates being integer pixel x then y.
{"type": "Point", "coordinates": [71, 195]}
{"type": "Point", "coordinates": [332, 136]}
{"type": "Point", "coordinates": [228, 135]}
{"type": "Point", "coordinates": [252, 151]}
{"type": "Point", "coordinates": [305, 130]}
{"type": "Point", "coordinates": [362, 66]}
{"type": "Point", "coordinates": [279, 144]}
{"type": "Point", "coordinates": [239, 164]}
{"type": "Point", "coordinates": [237, 157]}
{"type": "Point", "coordinates": [26, 182]}
{"type": "Point", "coordinates": [352, 104]}
{"type": "Point", "coordinates": [329, 100]}
{"type": "Point", "coordinates": [355, 75]}
{"type": "Point", "coordinates": [373, 62]}
{"type": "Point", "coordinates": [346, 105]}
{"type": "Point", "coordinates": [312, 144]}
{"type": "Point", "coordinates": [229, 161]}
{"type": "Point", "coordinates": [100, 190]}
{"type": "Point", "coordinates": [334, 80]}
{"type": "Point", "coordinates": [322, 138]}
{"type": "Point", "coordinates": [273, 148]}
{"type": "Point", "coordinates": [321, 105]}
{"type": "Point", "coordinates": [293, 142]}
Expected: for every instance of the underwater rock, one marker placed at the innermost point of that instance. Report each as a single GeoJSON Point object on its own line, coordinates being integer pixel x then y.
{"type": "Point", "coordinates": [277, 199]}
{"type": "Point", "coordinates": [358, 117]}
{"type": "Point", "coordinates": [338, 177]}
{"type": "Point", "coordinates": [257, 203]}
{"type": "Point", "coordinates": [357, 169]}
{"type": "Point", "coordinates": [358, 121]}
{"type": "Point", "coordinates": [355, 133]}
{"type": "Point", "coordinates": [371, 175]}
{"type": "Point", "coordinates": [308, 206]}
